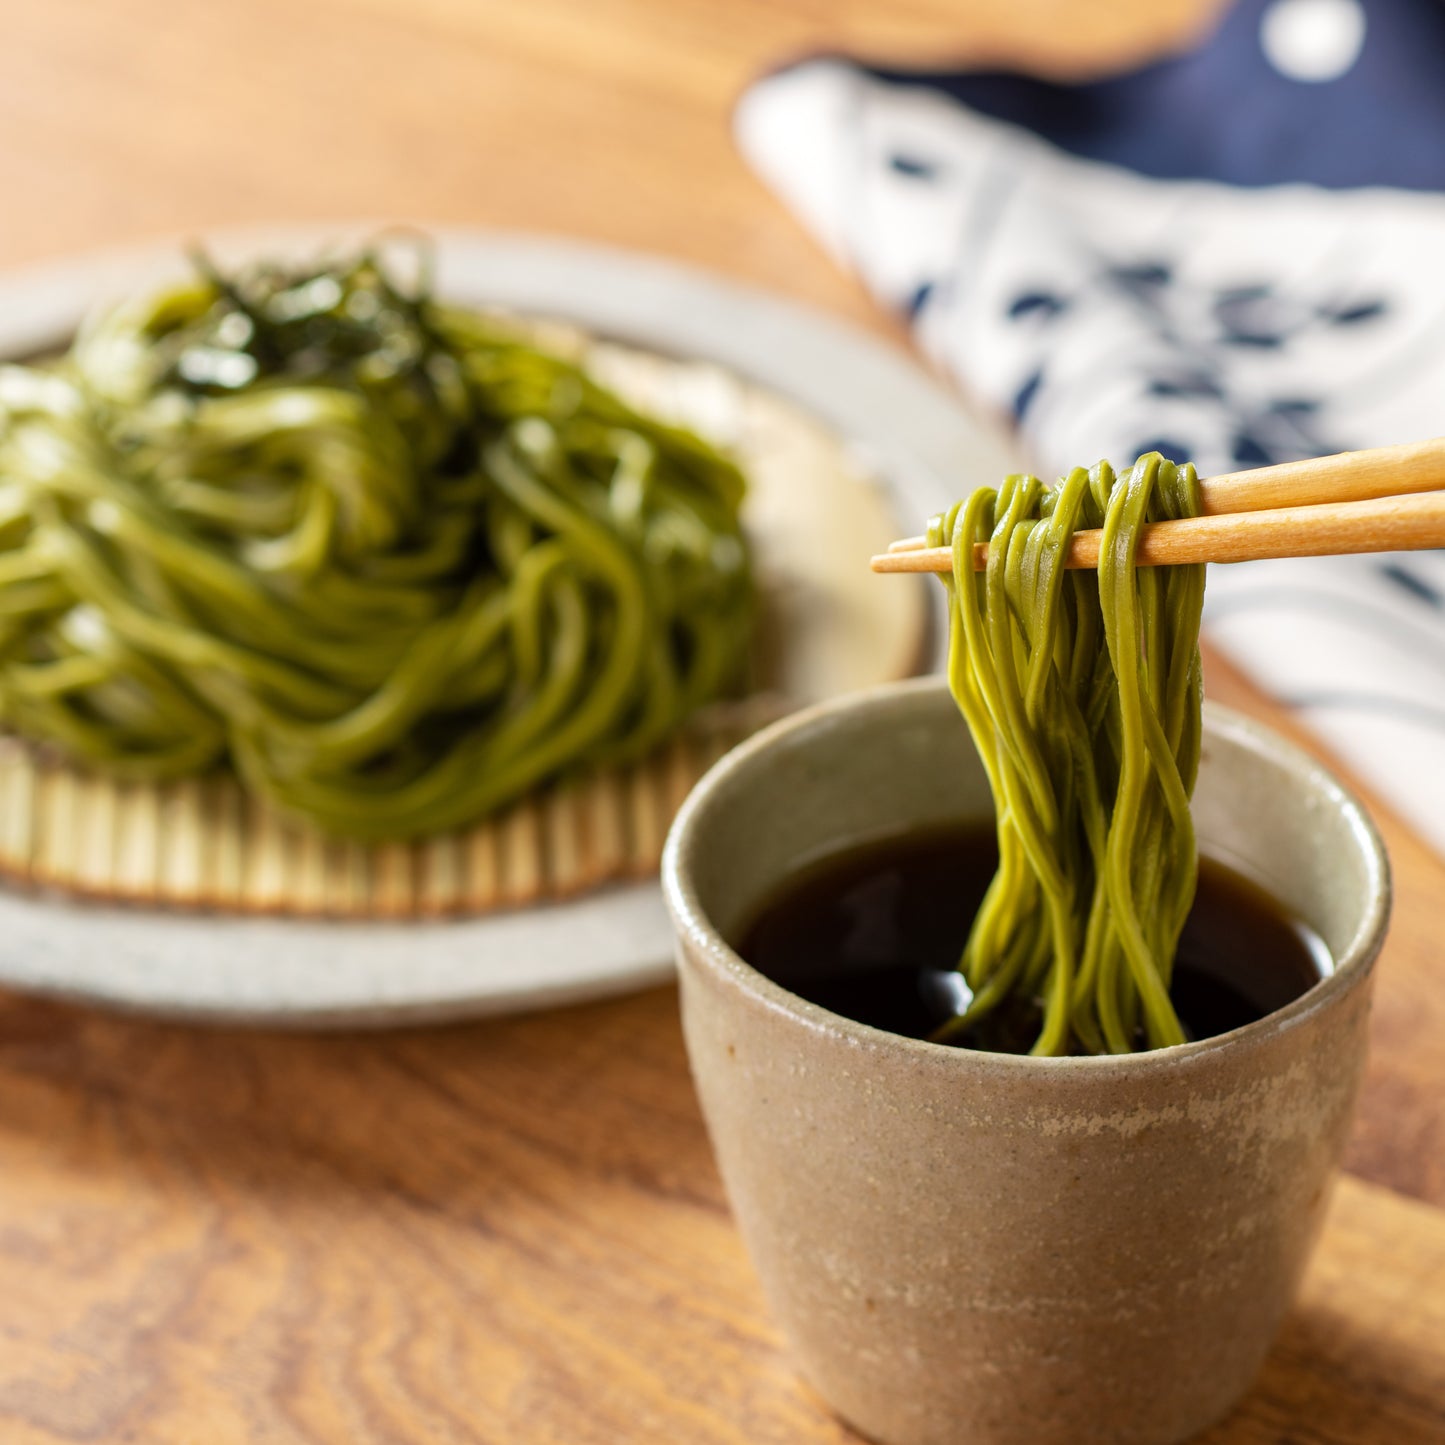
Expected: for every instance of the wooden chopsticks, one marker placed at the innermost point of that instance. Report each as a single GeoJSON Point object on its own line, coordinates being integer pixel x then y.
{"type": "Point", "coordinates": [1389, 499]}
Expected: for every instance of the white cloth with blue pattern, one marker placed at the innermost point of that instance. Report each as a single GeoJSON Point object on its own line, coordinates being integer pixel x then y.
{"type": "Point", "coordinates": [1107, 313]}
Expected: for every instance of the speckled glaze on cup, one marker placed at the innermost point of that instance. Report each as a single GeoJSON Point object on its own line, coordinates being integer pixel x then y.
{"type": "Point", "coordinates": [979, 1249]}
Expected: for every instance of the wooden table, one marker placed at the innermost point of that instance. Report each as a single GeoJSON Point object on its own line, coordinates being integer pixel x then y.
{"type": "Point", "coordinates": [513, 1232]}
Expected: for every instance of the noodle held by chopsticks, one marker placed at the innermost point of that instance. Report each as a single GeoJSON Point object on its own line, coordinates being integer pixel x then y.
{"type": "Point", "coordinates": [1082, 691]}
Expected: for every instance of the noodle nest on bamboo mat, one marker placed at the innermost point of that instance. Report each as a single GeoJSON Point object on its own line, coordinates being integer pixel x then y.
{"type": "Point", "coordinates": [164, 833]}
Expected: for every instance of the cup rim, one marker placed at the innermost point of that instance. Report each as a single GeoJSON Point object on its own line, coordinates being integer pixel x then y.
{"type": "Point", "coordinates": [717, 955]}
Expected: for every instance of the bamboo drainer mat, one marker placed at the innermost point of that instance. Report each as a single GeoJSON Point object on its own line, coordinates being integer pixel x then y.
{"type": "Point", "coordinates": [205, 844]}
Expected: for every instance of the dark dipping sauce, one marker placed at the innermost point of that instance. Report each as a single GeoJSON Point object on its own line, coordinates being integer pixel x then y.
{"type": "Point", "coordinates": [860, 931]}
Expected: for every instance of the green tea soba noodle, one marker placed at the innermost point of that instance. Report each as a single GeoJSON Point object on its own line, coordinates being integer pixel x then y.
{"type": "Point", "coordinates": [392, 564]}
{"type": "Point", "coordinates": [1082, 692]}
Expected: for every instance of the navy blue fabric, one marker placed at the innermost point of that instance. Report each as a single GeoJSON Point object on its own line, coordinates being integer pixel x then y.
{"type": "Point", "coordinates": [1222, 112]}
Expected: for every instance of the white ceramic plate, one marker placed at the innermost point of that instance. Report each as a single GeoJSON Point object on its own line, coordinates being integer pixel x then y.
{"type": "Point", "coordinates": [914, 436]}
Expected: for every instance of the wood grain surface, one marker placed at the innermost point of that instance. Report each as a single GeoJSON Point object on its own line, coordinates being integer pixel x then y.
{"type": "Point", "coordinates": [513, 1232]}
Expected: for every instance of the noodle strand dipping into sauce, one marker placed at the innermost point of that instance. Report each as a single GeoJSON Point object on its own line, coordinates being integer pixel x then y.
{"type": "Point", "coordinates": [871, 932]}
